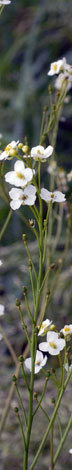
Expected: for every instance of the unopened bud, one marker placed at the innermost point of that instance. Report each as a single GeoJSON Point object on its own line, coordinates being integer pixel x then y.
{"type": "Point", "coordinates": [53, 401]}
{"type": "Point", "coordinates": [16, 409]}
{"type": "Point", "coordinates": [52, 266]}
{"type": "Point", "coordinates": [18, 303]}
{"type": "Point", "coordinates": [35, 394]}
{"type": "Point", "coordinates": [25, 149]}
{"type": "Point", "coordinates": [25, 290]}
{"type": "Point", "coordinates": [52, 328]}
{"type": "Point", "coordinates": [14, 379]}
{"type": "Point", "coordinates": [32, 223]}
{"type": "Point", "coordinates": [21, 359]}
{"type": "Point", "coordinates": [24, 236]}
{"type": "Point", "coordinates": [20, 145]}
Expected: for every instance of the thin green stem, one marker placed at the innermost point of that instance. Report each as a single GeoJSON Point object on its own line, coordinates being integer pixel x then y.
{"type": "Point", "coordinates": [28, 308]}
{"type": "Point", "coordinates": [44, 412]}
{"type": "Point", "coordinates": [52, 453]}
{"type": "Point", "coordinates": [30, 258]}
{"type": "Point", "coordinates": [35, 214]}
{"type": "Point", "coordinates": [43, 393]}
{"type": "Point", "coordinates": [21, 403]}
{"type": "Point", "coordinates": [25, 377]}
{"type": "Point", "coordinates": [45, 277]}
{"type": "Point", "coordinates": [33, 288]}
{"type": "Point", "coordinates": [6, 224]}
{"type": "Point", "coordinates": [51, 421]}
{"type": "Point", "coordinates": [25, 327]}
{"type": "Point", "coordinates": [69, 425]}
{"type": "Point", "coordinates": [21, 427]}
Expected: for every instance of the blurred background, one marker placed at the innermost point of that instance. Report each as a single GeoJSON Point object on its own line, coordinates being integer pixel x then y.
{"type": "Point", "coordinates": [32, 35]}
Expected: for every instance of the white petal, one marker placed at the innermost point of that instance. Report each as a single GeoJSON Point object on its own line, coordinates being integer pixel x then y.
{"type": "Point", "coordinates": [1, 310]}
{"type": "Point", "coordinates": [28, 363]}
{"type": "Point", "coordinates": [30, 201]}
{"type": "Point", "coordinates": [45, 195]}
{"type": "Point", "coordinates": [39, 356]}
{"type": "Point", "coordinates": [15, 204]}
{"type": "Point", "coordinates": [39, 149]}
{"type": "Point", "coordinates": [59, 196]}
{"type": "Point", "coordinates": [70, 451]}
{"type": "Point", "coordinates": [28, 173]}
{"type": "Point", "coordinates": [52, 336]}
{"type": "Point", "coordinates": [15, 193]}
{"type": "Point", "coordinates": [19, 166]}
{"type": "Point", "coordinates": [1, 262]}
{"type": "Point", "coordinates": [43, 346]}
{"type": "Point", "coordinates": [10, 177]}
{"type": "Point", "coordinates": [48, 151]}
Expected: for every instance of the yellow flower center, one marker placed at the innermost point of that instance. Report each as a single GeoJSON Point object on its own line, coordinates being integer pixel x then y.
{"type": "Point", "coordinates": [38, 363]}
{"type": "Point", "coordinates": [8, 148]}
{"type": "Point", "coordinates": [55, 67]}
{"type": "Point", "coordinates": [67, 329]}
{"type": "Point", "coordinates": [53, 345]}
{"type": "Point", "coordinates": [22, 177]}
{"type": "Point", "coordinates": [52, 195]}
{"type": "Point", "coordinates": [40, 152]}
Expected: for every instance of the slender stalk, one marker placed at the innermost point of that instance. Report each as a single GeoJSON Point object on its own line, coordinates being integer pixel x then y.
{"type": "Point", "coordinates": [25, 327]}
{"type": "Point", "coordinates": [30, 258]}
{"type": "Point", "coordinates": [43, 393]}
{"type": "Point", "coordinates": [44, 412]}
{"type": "Point", "coordinates": [51, 421]}
{"type": "Point", "coordinates": [69, 425]}
{"type": "Point", "coordinates": [21, 403]}
{"type": "Point", "coordinates": [33, 288]}
{"type": "Point", "coordinates": [22, 431]}
{"type": "Point", "coordinates": [52, 454]}
{"type": "Point", "coordinates": [25, 377]}
{"type": "Point", "coordinates": [6, 224]}
{"type": "Point", "coordinates": [28, 308]}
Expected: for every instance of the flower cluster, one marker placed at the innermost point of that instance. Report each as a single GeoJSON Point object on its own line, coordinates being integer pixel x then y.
{"type": "Point", "coordinates": [53, 345]}
{"type": "Point", "coordinates": [63, 70]}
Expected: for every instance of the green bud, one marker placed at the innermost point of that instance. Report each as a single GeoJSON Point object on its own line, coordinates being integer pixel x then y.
{"type": "Point", "coordinates": [14, 378]}
{"type": "Point", "coordinates": [21, 359]}
{"type": "Point", "coordinates": [18, 302]}
{"type": "Point", "coordinates": [24, 236]}
{"type": "Point", "coordinates": [25, 290]}
{"type": "Point", "coordinates": [16, 409]}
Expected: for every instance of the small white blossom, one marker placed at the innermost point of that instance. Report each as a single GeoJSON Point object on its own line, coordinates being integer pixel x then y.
{"type": "Point", "coordinates": [44, 327]}
{"type": "Point", "coordinates": [1, 310]}
{"type": "Point", "coordinates": [70, 451]}
{"type": "Point", "coordinates": [53, 345]}
{"type": "Point", "coordinates": [40, 362]}
{"type": "Point", "coordinates": [68, 368]}
{"type": "Point", "coordinates": [67, 330]}
{"type": "Point", "coordinates": [22, 197]}
{"type": "Point", "coordinates": [41, 154]}
{"type": "Point", "coordinates": [69, 176]}
{"type": "Point", "coordinates": [60, 79]}
{"type": "Point", "coordinates": [21, 176]}
{"type": "Point", "coordinates": [1, 262]}
{"type": "Point", "coordinates": [8, 150]}
{"type": "Point", "coordinates": [4, 2]}
{"type": "Point", "coordinates": [55, 67]}
{"type": "Point", "coordinates": [55, 196]}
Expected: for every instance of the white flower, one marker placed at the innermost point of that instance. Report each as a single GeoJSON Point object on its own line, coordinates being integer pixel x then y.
{"type": "Point", "coordinates": [21, 176]}
{"type": "Point", "coordinates": [55, 67]}
{"type": "Point", "coordinates": [25, 197]}
{"type": "Point", "coordinates": [4, 2]}
{"type": "Point", "coordinates": [44, 327]}
{"type": "Point", "coordinates": [48, 196]}
{"type": "Point", "coordinates": [67, 330]}
{"type": "Point", "coordinates": [68, 368]}
{"type": "Point", "coordinates": [70, 451]}
{"type": "Point", "coordinates": [40, 362]}
{"type": "Point", "coordinates": [59, 81]}
{"type": "Point", "coordinates": [1, 310]}
{"type": "Point", "coordinates": [1, 262]}
{"type": "Point", "coordinates": [8, 150]}
{"type": "Point", "coordinates": [69, 176]}
{"type": "Point", "coordinates": [53, 345]}
{"type": "Point", "coordinates": [39, 153]}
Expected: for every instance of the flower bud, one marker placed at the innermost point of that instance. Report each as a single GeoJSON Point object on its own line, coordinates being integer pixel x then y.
{"type": "Point", "coordinates": [14, 379]}
{"type": "Point", "coordinates": [20, 145]}
{"type": "Point", "coordinates": [25, 149]}
{"type": "Point", "coordinates": [25, 290]}
{"type": "Point", "coordinates": [32, 223]}
{"type": "Point", "coordinates": [24, 236]}
{"type": "Point", "coordinates": [18, 303]}
{"type": "Point", "coordinates": [21, 359]}
{"type": "Point", "coordinates": [35, 394]}
{"type": "Point", "coordinates": [16, 409]}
